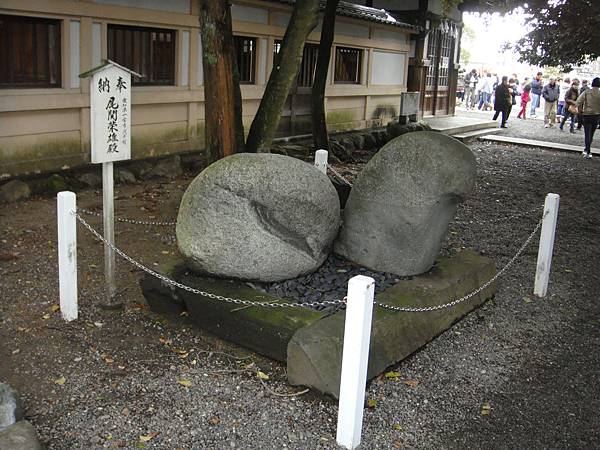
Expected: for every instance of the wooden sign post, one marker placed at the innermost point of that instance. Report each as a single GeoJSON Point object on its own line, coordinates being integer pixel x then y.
{"type": "Point", "coordinates": [110, 106]}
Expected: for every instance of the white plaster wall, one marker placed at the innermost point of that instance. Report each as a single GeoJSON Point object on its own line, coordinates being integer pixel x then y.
{"type": "Point", "coordinates": [248, 14]}
{"type": "Point", "coordinates": [178, 6]}
{"type": "Point", "coordinates": [388, 68]}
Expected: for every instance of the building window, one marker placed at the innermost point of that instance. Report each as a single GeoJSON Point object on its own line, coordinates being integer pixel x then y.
{"type": "Point", "coordinates": [432, 56]}
{"type": "Point", "coordinates": [445, 50]}
{"type": "Point", "coordinates": [348, 62]}
{"type": "Point", "coordinates": [147, 51]}
{"type": "Point", "coordinates": [29, 52]}
{"type": "Point", "coordinates": [306, 72]}
{"type": "Point", "coordinates": [245, 53]}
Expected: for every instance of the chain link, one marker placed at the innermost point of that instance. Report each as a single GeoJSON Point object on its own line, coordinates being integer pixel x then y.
{"type": "Point", "coordinates": [338, 175]}
{"type": "Point", "coordinates": [476, 291]}
{"type": "Point", "coordinates": [132, 221]}
{"type": "Point", "coordinates": [238, 301]}
{"type": "Point", "coordinates": [174, 283]}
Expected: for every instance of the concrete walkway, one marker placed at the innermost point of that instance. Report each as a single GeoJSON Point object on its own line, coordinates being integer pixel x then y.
{"type": "Point", "coordinates": [473, 124]}
{"type": "Point", "coordinates": [459, 124]}
{"type": "Point", "coordinates": [534, 143]}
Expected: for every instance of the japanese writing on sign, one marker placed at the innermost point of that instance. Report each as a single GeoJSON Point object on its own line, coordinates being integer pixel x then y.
{"type": "Point", "coordinates": [110, 115]}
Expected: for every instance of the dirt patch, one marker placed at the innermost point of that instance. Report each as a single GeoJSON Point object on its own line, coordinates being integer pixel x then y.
{"type": "Point", "coordinates": [520, 372]}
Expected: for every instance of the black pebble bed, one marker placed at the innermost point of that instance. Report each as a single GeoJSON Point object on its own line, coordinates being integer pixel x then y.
{"type": "Point", "coordinates": [329, 282]}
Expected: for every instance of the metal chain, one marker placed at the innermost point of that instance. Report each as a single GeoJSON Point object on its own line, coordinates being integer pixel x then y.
{"type": "Point", "coordinates": [133, 221]}
{"type": "Point", "coordinates": [174, 283]}
{"type": "Point", "coordinates": [238, 301]}
{"type": "Point", "coordinates": [337, 174]}
{"type": "Point", "coordinates": [476, 291]}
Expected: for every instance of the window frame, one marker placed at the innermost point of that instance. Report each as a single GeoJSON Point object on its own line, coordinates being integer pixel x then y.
{"type": "Point", "coordinates": [309, 49]}
{"type": "Point", "coordinates": [56, 65]}
{"type": "Point", "coordinates": [135, 81]}
{"type": "Point", "coordinates": [251, 80]}
{"type": "Point", "coordinates": [359, 66]}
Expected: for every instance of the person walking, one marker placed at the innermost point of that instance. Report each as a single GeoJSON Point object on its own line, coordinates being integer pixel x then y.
{"type": "Point", "coordinates": [536, 91]}
{"type": "Point", "coordinates": [470, 89]}
{"type": "Point", "coordinates": [565, 86]}
{"type": "Point", "coordinates": [589, 105]}
{"type": "Point", "coordinates": [503, 101]}
{"type": "Point", "coordinates": [486, 92]}
{"type": "Point", "coordinates": [550, 93]}
{"type": "Point", "coordinates": [524, 100]}
{"type": "Point", "coordinates": [570, 107]}
{"type": "Point", "coordinates": [584, 87]}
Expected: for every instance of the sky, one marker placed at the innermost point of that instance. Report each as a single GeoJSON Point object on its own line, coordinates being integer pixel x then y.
{"type": "Point", "coordinates": [491, 33]}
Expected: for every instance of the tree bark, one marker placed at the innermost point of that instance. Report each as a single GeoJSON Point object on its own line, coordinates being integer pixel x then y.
{"type": "Point", "coordinates": [304, 18]}
{"type": "Point", "coordinates": [224, 132]}
{"type": "Point", "coordinates": [319, 123]}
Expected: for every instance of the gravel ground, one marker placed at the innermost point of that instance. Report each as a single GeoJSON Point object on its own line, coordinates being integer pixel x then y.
{"type": "Point", "coordinates": [534, 128]}
{"type": "Point", "coordinates": [519, 372]}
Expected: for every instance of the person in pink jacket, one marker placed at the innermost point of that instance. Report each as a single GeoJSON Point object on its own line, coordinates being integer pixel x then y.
{"type": "Point", "coordinates": [524, 100]}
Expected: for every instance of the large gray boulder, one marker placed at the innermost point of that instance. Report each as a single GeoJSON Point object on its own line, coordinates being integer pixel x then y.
{"type": "Point", "coordinates": [261, 217]}
{"type": "Point", "coordinates": [399, 208]}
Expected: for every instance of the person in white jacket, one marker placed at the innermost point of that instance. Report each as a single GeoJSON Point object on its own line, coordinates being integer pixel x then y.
{"type": "Point", "coordinates": [485, 96]}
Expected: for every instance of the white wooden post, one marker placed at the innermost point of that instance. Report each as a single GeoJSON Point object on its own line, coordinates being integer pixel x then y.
{"type": "Point", "coordinates": [108, 209]}
{"type": "Point", "coordinates": [355, 357]}
{"type": "Point", "coordinates": [321, 160]}
{"type": "Point", "coordinates": [547, 234]}
{"type": "Point", "coordinates": [67, 254]}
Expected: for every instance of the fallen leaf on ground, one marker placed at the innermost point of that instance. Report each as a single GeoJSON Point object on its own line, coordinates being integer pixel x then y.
{"type": "Point", "coordinates": [109, 360]}
{"type": "Point", "coordinates": [214, 420]}
{"type": "Point", "coordinates": [15, 351]}
{"type": "Point", "coordinates": [55, 307]}
{"type": "Point", "coordinates": [372, 403]}
{"type": "Point", "coordinates": [165, 341]}
{"type": "Point", "coordinates": [568, 270]}
{"type": "Point", "coordinates": [186, 383]}
{"type": "Point", "coordinates": [486, 409]}
{"type": "Point", "coordinates": [46, 316]}
{"type": "Point", "coordinates": [392, 375]}
{"type": "Point", "coordinates": [148, 437]}
{"type": "Point", "coordinates": [412, 383]}
{"type": "Point", "coordinates": [180, 351]}
{"type": "Point", "coordinates": [262, 375]}
{"type": "Point", "coordinates": [397, 444]}
{"type": "Point", "coordinates": [8, 256]}
{"type": "Point", "coordinates": [527, 299]}
{"type": "Point", "coordinates": [397, 426]}
{"type": "Point", "coordinates": [98, 324]}
{"type": "Point", "coordinates": [60, 381]}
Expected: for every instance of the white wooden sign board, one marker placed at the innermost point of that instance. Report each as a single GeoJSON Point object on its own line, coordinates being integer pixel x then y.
{"type": "Point", "coordinates": [110, 93]}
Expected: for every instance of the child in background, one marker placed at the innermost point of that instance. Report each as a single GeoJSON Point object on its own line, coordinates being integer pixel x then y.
{"type": "Point", "coordinates": [524, 100]}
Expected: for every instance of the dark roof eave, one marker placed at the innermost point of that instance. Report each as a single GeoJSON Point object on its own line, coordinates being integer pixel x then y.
{"type": "Point", "coordinates": [366, 13]}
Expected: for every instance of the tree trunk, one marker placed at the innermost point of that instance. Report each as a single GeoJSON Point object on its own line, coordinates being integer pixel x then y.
{"type": "Point", "coordinates": [319, 124]}
{"type": "Point", "coordinates": [224, 133]}
{"type": "Point", "coordinates": [304, 18]}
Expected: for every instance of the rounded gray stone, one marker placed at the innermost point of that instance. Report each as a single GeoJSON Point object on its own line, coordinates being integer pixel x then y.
{"type": "Point", "coordinates": [260, 217]}
{"type": "Point", "coordinates": [20, 436]}
{"type": "Point", "coordinates": [399, 208]}
{"type": "Point", "coordinates": [14, 190]}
